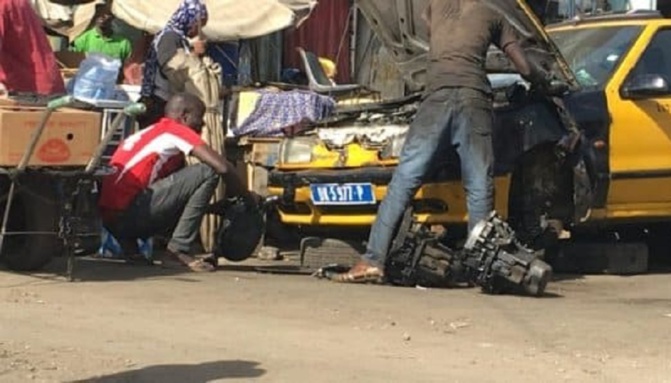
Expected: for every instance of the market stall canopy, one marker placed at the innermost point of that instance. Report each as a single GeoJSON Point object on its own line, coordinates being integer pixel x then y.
{"type": "Point", "coordinates": [69, 18]}
{"type": "Point", "coordinates": [228, 19]}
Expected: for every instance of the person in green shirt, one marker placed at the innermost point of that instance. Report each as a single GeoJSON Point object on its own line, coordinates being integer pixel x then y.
{"type": "Point", "coordinates": [102, 38]}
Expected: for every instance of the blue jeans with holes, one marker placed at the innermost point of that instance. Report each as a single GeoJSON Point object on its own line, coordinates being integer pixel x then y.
{"type": "Point", "coordinates": [457, 117]}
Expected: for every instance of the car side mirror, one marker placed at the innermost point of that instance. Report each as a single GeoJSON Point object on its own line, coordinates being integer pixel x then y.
{"type": "Point", "coordinates": [645, 86]}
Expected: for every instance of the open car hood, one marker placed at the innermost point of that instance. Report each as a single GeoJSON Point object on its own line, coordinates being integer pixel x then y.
{"type": "Point", "coordinates": [399, 26]}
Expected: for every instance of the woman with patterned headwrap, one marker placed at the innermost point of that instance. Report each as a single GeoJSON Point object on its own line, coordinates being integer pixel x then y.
{"type": "Point", "coordinates": [183, 25]}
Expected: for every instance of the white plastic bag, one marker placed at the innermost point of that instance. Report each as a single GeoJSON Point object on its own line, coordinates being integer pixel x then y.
{"type": "Point", "coordinates": [96, 78]}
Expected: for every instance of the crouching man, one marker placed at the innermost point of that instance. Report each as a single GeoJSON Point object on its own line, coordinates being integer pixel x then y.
{"type": "Point", "coordinates": [153, 192]}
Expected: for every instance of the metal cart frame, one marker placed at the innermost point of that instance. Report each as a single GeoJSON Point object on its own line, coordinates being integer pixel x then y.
{"type": "Point", "coordinates": [71, 182]}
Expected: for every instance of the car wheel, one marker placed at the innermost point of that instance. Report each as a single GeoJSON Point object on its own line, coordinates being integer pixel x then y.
{"type": "Point", "coordinates": [34, 209]}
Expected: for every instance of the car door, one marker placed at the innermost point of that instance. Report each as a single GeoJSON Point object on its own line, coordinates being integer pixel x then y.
{"type": "Point", "coordinates": [640, 132]}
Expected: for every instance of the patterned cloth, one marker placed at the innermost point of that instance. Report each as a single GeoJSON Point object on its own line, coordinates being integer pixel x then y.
{"type": "Point", "coordinates": [276, 110]}
{"type": "Point", "coordinates": [184, 18]}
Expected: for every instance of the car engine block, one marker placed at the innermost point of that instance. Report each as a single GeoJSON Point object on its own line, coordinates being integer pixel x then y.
{"type": "Point", "coordinates": [492, 258]}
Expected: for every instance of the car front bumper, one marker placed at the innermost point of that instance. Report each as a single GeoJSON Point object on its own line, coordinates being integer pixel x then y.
{"type": "Point", "coordinates": [435, 203]}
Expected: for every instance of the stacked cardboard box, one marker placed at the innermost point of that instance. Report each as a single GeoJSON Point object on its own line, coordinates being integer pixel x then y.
{"type": "Point", "coordinates": [69, 138]}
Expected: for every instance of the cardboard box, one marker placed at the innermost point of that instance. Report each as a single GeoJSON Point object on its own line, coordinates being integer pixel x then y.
{"type": "Point", "coordinates": [69, 138]}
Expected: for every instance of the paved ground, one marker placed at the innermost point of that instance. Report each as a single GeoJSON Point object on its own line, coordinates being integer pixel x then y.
{"type": "Point", "coordinates": [135, 324]}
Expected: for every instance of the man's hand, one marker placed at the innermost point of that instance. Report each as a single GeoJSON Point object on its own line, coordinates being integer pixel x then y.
{"type": "Point", "coordinates": [253, 199]}
{"type": "Point", "coordinates": [537, 76]}
{"type": "Point", "coordinates": [234, 184]}
{"type": "Point", "coordinates": [199, 46]}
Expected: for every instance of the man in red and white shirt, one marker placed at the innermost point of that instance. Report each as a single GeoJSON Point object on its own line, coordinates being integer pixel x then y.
{"type": "Point", "coordinates": [153, 192]}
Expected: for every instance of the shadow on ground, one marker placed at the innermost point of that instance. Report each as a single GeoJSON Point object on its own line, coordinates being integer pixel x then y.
{"type": "Point", "coordinates": [98, 270]}
{"type": "Point", "coordinates": [180, 373]}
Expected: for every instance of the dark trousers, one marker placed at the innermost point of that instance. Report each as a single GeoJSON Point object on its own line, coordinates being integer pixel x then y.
{"type": "Point", "coordinates": [176, 203]}
{"type": "Point", "coordinates": [456, 117]}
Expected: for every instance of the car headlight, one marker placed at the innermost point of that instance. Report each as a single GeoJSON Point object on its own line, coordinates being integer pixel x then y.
{"type": "Point", "coordinates": [393, 148]}
{"type": "Point", "coordinates": [297, 150]}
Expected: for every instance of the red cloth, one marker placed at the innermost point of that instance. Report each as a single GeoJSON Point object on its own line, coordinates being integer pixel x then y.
{"type": "Point", "coordinates": [27, 62]}
{"type": "Point", "coordinates": [144, 157]}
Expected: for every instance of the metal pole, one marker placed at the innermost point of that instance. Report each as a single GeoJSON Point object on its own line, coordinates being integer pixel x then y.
{"type": "Point", "coordinates": [130, 110]}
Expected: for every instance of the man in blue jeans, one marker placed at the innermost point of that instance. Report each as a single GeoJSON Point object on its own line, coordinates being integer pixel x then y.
{"type": "Point", "coordinates": [456, 111]}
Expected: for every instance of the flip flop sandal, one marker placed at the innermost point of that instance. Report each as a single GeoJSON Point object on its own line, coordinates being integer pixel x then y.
{"type": "Point", "coordinates": [173, 261]}
{"type": "Point", "coordinates": [200, 266]}
{"type": "Point", "coordinates": [370, 275]}
{"type": "Point", "coordinates": [212, 260]}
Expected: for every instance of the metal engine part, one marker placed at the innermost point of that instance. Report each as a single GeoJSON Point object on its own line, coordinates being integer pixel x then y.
{"type": "Point", "coordinates": [499, 262]}
{"type": "Point", "coordinates": [424, 261]}
{"type": "Point", "coordinates": [417, 257]}
{"type": "Point", "coordinates": [493, 259]}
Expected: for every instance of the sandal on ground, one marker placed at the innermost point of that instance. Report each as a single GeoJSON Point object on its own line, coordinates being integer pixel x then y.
{"type": "Point", "coordinates": [200, 266]}
{"type": "Point", "coordinates": [370, 274]}
{"type": "Point", "coordinates": [211, 259]}
{"type": "Point", "coordinates": [172, 260]}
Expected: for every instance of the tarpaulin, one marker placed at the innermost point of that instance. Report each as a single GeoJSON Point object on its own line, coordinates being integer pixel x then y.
{"type": "Point", "coordinates": [228, 19]}
{"type": "Point", "coordinates": [68, 20]}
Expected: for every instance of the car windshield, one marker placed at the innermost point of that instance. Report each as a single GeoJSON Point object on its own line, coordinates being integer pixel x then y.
{"type": "Point", "coordinates": [594, 53]}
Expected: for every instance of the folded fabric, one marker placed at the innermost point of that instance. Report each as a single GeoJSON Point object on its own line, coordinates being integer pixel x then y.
{"type": "Point", "coordinates": [276, 110]}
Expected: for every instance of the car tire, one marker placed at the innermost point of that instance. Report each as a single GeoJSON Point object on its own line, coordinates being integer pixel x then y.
{"type": "Point", "coordinates": [34, 209]}
{"type": "Point", "coordinates": [540, 186]}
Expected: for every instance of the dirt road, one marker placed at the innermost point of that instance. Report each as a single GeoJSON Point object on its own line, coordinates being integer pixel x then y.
{"type": "Point", "coordinates": [136, 324]}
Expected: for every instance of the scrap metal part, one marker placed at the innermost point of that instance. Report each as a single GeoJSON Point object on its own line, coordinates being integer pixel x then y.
{"type": "Point", "coordinates": [501, 262]}
{"type": "Point", "coordinates": [493, 258]}
{"type": "Point", "coordinates": [417, 257]}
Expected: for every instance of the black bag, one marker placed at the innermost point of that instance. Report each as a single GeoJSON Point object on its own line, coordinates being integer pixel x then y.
{"type": "Point", "coordinates": [240, 232]}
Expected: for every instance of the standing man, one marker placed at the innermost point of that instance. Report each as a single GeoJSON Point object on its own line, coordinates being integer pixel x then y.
{"type": "Point", "coordinates": [102, 39]}
{"type": "Point", "coordinates": [456, 111]}
{"type": "Point", "coordinates": [152, 192]}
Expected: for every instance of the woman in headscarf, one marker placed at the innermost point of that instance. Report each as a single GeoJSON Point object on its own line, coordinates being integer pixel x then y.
{"type": "Point", "coordinates": [183, 25]}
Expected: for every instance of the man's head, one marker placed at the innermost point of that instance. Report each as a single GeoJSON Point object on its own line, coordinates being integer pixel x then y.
{"type": "Point", "coordinates": [103, 19]}
{"type": "Point", "coordinates": [186, 109]}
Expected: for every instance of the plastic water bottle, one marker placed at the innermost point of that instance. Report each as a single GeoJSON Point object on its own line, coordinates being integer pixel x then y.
{"type": "Point", "coordinates": [96, 78]}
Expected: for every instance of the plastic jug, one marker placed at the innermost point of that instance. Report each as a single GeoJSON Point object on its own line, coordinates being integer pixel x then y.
{"type": "Point", "coordinates": [96, 78]}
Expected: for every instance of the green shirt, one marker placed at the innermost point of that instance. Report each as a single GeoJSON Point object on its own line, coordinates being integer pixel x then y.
{"type": "Point", "coordinates": [92, 41]}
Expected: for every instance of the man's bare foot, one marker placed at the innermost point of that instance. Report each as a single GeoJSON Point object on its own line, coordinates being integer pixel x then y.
{"type": "Point", "coordinates": [361, 272]}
